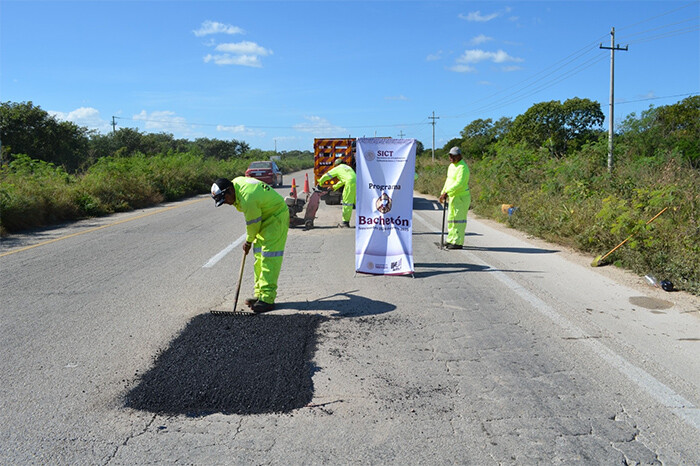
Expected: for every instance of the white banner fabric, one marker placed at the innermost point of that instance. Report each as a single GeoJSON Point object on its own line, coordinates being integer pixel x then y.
{"type": "Point", "coordinates": [384, 205]}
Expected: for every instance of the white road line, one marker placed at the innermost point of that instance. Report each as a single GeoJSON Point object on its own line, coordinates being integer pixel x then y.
{"type": "Point", "coordinates": [671, 400]}
{"type": "Point", "coordinates": [212, 262]}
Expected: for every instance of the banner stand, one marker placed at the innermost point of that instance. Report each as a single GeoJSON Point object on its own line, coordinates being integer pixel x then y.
{"type": "Point", "coordinates": [384, 206]}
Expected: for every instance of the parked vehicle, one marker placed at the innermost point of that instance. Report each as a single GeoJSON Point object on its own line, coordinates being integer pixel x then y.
{"type": "Point", "coordinates": [265, 171]}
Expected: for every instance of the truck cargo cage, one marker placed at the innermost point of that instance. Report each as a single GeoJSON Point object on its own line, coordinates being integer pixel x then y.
{"type": "Point", "coordinates": [326, 152]}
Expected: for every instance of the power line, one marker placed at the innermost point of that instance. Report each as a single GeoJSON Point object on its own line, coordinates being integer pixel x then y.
{"type": "Point", "coordinates": [677, 32]}
{"type": "Point", "coordinates": [656, 98]}
{"type": "Point", "coordinates": [657, 16]}
{"type": "Point", "coordinates": [559, 71]}
{"type": "Point", "coordinates": [662, 27]}
{"type": "Point", "coordinates": [515, 96]}
{"type": "Point", "coordinates": [297, 127]}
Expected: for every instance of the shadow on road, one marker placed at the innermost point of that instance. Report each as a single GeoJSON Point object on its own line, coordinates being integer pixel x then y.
{"type": "Point", "coordinates": [421, 203]}
{"type": "Point", "coordinates": [445, 268]}
{"type": "Point", "coordinates": [233, 365]}
{"type": "Point", "coordinates": [345, 304]}
{"type": "Point", "coordinates": [512, 250]}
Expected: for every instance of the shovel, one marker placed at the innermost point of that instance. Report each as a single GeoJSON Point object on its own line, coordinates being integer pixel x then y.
{"type": "Point", "coordinates": [598, 260]}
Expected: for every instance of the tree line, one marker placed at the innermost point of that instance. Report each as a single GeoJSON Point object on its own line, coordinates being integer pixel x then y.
{"type": "Point", "coordinates": [564, 128]}
{"type": "Point", "coordinates": [560, 128]}
{"type": "Point", "coordinates": [26, 128]}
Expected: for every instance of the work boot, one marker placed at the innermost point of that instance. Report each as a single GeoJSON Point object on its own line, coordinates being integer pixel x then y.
{"type": "Point", "coordinates": [250, 301]}
{"type": "Point", "coordinates": [453, 246]}
{"type": "Point", "coordinates": [344, 225]}
{"type": "Point", "coordinates": [262, 306]}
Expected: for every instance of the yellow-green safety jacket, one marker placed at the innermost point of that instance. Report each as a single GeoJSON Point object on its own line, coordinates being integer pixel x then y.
{"type": "Point", "coordinates": [256, 200]}
{"type": "Point", "coordinates": [457, 181]}
{"type": "Point", "coordinates": [344, 173]}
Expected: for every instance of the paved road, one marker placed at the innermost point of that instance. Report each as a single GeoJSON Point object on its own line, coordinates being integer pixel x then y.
{"type": "Point", "coordinates": [513, 351]}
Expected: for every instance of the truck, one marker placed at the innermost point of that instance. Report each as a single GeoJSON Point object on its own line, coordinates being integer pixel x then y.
{"type": "Point", "coordinates": [326, 152]}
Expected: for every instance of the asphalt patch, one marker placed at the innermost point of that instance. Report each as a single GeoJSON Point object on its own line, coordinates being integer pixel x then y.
{"type": "Point", "coordinates": [232, 365]}
{"type": "Point", "coordinates": [650, 303]}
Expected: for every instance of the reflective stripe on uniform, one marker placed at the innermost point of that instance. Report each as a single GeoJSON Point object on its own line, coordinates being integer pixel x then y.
{"type": "Point", "coordinates": [255, 220]}
{"type": "Point", "coordinates": [273, 253]}
{"type": "Point", "coordinates": [257, 250]}
{"type": "Point", "coordinates": [456, 221]}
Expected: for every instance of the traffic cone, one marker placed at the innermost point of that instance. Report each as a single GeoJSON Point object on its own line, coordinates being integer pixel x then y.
{"type": "Point", "coordinates": [306, 185]}
{"type": "Point", "coordinates": [293, 192]}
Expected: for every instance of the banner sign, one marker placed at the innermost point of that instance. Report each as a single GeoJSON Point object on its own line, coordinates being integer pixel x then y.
{"type": "Point", "coordinates": [384, 205]}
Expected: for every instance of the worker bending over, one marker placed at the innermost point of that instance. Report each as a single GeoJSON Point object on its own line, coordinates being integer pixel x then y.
{"type": "Point", "coordinates": [346, 177]}
{"type": "Point", "coordinates": [267, 223]}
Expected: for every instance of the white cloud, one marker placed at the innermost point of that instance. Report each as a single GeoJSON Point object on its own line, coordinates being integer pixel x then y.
{"type": "Point", "coordinates": [241, 130]}
{"type": "Point", "coordinates": [317, 124]}
{"type": "Point", "coordinates": [244, 53]}
{"type": "Point", "coordinates": [243, 48]}
{"type": "Point", "coordinates": [511, 68]}
{"type": "Point", "coordinates": [396, 97]}
{"type": "Point", "coordinates": [464, 63]}
{"type": "Point", "coordinates": [226, 59]}
{"type": "Point", "coordinates": [476, 16]}
{"type": "Point", "coordinates": [476, 56]}
{"type": "Point", "coordinates": [462, 69]}
{"type": "Point", "coordinates": [434, 56]}
{"type": "Point", "coordinates": [480, 39]}
{"type": "Point", "coordinates": [84, 116]}
{"type": "Point", "coordinates": [162, 121]}
{"type": "Point", "coordinates": [213, 27]}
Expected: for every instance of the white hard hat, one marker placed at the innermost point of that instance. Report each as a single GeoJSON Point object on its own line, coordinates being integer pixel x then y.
{"type": "Point", "coordinates": [455, 151]}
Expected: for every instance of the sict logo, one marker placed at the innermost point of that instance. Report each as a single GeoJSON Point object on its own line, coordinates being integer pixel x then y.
{"type": "Point", "coordinates": [385, 153]}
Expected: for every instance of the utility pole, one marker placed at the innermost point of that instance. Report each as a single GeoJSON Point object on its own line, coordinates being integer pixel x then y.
{"type": "Point", "coordinates": [611, 120]}
{"type": "Point", "coordinates": [114, 125]}
{"type": "Point", "coordinates": [401, 135]}
{"type": "Point", "coordinates": [434, 118]}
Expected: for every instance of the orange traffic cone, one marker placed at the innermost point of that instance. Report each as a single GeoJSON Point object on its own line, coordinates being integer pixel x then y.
{"type": "Point", "coordinates": [306, 185]}
{"type": "Point", "coordinates": [293, 192]}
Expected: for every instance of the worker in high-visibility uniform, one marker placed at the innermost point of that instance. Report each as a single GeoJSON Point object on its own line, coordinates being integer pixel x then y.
{"type": "Point", "coordinates": [456, 192]}
{"type": "Point", "coordinates": [267, 223]}
{"type": "Point", "coordinates": [346, 177]}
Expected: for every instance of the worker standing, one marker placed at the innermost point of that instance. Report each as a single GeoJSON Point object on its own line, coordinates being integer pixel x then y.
{"type": "Point", "coordinates": [456, 192]}
{"type": "Point", "coordinates": [346, 177]}
{"type": "Point", "coordinates": [267, 223]}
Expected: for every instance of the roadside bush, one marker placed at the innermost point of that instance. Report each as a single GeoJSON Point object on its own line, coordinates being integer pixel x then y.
{"type": "Point", "coordinates": [34, 193]}
{"type": "Point", "coordinates": [575, 201]}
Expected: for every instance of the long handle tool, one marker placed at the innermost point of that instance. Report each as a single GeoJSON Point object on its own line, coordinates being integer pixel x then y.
{"type": "Point", "coordinates": [598, 260]}
{"type": "Point", "coordinates": [442, 235]}
{"type": "Point", "coordinates": [235, 299]}
{"type": "Point", "coordinates": [238, 287]}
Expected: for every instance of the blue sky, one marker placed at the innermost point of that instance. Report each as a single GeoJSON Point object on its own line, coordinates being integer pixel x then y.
{"type": "Point", "coordinates": [278, 74]}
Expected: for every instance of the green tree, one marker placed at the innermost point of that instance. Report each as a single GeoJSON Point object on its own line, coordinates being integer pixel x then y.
{"type": "Point", "coordinates": [127, 141]}
{"type": "Point", "coordinates": [660, 132]}
{"type": "Point", "coordinates": [27, 129]}
{"type": "Point", "coordinates": [221, 150]}
{"type": "Point", "coordinates": [419, 147]}
{"type": "Point", "coordinates": [679, 125]}
{"type": "Point", "coordinates": [556, 126]}
{"type": "Point", "coordinates": [582, 121]}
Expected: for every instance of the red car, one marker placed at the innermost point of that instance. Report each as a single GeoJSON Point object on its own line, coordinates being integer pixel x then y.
{"type": "Point", "coordinates": [267, 172]}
